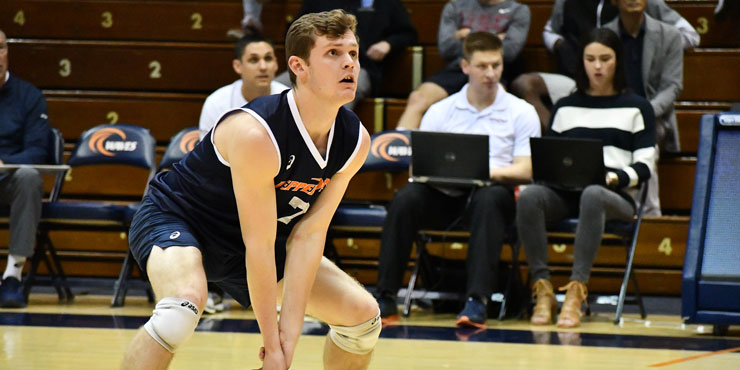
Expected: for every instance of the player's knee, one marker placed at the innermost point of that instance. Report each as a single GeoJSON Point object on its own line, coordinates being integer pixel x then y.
{"type": "Point", "coordinates": [359, 339]}
{"type": "Point", "coordinates": [173, 322]}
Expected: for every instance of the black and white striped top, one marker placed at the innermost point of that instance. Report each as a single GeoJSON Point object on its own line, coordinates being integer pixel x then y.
{"type": "Point", "coordinates": [624, 123]}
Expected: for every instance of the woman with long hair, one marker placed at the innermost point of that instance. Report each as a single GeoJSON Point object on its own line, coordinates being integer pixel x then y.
{"type": "Point", "coordinates": [600, 108]}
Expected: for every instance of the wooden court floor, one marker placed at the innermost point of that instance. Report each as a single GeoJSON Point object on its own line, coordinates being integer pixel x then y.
{"type": "Point", "coordinates": [88, 334]}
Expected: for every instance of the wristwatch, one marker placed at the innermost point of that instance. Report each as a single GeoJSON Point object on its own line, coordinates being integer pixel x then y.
{"type": "Point", "coordinates": [611, 179]}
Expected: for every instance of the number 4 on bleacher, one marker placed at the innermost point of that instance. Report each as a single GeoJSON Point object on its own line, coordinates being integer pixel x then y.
{"type": "Point", "coordinates": [665, 246]}
{"type": "Point", "coordinates": [20, 18]}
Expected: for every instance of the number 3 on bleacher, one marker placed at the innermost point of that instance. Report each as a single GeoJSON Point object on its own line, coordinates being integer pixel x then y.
{"type": "Point", "coordinates": [298, 204]}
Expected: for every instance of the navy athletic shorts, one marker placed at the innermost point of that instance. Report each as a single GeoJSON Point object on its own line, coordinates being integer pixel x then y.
{"type": "Point", "coordinates": [451, 78]}
{"type": "Point", "coordinates": [152, 226]}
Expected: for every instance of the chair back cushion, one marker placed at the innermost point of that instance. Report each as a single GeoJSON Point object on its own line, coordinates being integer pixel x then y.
{"type": "Point", "coordinates": [389, 151]}
{"type": "Point", "coordinates": [180, 144]}
{"type": "Point", "coordinates": [115, 144]}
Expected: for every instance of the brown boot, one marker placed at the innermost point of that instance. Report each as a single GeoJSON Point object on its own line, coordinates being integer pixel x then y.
{"type": "Point", "coordinates": [544, 309]}
{"type": "Point", "coordinates": [570, 314]}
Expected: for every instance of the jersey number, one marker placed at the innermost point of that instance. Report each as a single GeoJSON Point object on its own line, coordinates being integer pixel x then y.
{"type": "Point", "coordinates": [298, 204]}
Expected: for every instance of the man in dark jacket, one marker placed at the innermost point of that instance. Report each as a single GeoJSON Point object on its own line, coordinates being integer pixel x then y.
{"type": "Point", "coordinates": [24, 130]}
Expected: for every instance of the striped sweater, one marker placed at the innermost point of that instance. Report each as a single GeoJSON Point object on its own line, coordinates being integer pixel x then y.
{"type": "Point", "coordinates": [624, 123]}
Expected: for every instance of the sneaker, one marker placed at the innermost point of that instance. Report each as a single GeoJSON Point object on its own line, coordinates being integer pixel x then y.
{"type": "Point", "coordinates": [388, 308]}
{"type": "Point", "coordinates": [473, 314]}
{"type": "Point", "coordinates": [11, 293]}
{"type": "Point", "coordinates": [214, 303]}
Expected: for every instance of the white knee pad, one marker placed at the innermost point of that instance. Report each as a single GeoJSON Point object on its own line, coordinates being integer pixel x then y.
{"type": "Point", "coordinates": [173, 322]}
{"type": "Point", "coordinates": [358, 339]}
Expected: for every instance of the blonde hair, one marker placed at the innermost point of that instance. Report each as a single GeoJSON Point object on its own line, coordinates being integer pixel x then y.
{"type": "Point", "coordinates": [302, 33]}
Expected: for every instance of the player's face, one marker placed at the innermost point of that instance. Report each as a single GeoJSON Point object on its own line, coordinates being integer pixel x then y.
{"type": "Point", "coordinates": [3, 57]}
{"type": "Point", "coordinates": [334, 67]}
{"type": "Point", "coordinates": [600, 63]}
{"type": "Point", "coordinates": [484, 69]}
{"type": "Point", "coordinates": [258, 64]}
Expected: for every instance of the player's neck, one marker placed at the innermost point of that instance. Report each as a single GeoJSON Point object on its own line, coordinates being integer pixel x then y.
{"type": "Point", "coordinates": [250, 92]}
{"type": "Point", "coordinates": [317, 114]}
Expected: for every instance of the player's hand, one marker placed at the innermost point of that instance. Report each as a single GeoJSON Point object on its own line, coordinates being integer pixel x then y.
{"type": "Point", "coordinates": [273, 360]}
{"type": "Point", "coordinates": [288, 350]}
{"type": "Point", "coordinates": [462, 33]}
{"type": "Point", "coordinates": [378, 50]}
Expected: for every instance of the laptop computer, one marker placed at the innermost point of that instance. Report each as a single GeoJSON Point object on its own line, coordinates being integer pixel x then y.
{"type": "Point", "coordinates": [567, 163]}
{"type": "Point", "coordinates": [449, 159]}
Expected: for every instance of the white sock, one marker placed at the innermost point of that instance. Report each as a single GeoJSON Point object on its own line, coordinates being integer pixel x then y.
{"type": "Point", "coordinates": [15, 266]}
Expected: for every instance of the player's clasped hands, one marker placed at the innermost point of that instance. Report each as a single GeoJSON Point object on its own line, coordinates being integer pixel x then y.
{"type": "Point", "coordinates": [273, 360]}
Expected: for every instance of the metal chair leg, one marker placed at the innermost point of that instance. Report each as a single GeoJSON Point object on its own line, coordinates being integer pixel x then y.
{"type": "Point", "coordinates": [60, 272]}
{"type": "Point", "coordinates": [121, 285]}
{"type": "Point", "coordinates": [420, 245]}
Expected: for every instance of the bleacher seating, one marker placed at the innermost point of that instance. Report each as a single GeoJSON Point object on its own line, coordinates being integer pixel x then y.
{"type": "Point", "coordinates": [153, 63]}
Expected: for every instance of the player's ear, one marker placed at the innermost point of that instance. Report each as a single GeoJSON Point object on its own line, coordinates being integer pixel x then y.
{"type": "Point", "coordinates": [237, 65]}
{"type": "Point", "coordinates": [297, 65]}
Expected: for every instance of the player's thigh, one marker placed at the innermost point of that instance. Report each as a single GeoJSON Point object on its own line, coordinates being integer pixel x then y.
{"type": "Point", "coordinates": [338, 299]}
{"type": "Point", "coordinates": [178, 272]}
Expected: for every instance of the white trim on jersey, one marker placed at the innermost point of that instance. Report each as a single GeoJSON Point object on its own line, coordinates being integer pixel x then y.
{"type": "Point", "coordinates": [304, 133]}
{"type": "Point", "coordinates": [357, 149]}
{"type": "Point", "coordinates": [261, 121]}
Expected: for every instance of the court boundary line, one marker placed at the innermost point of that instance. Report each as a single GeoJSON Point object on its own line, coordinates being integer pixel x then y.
{"type": "Point", "coordinates": [695, 357]}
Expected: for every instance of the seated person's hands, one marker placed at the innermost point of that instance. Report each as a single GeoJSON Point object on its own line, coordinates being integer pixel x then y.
{"type": "Point", "coordinates": [462, 33]}
{"type": "Point", "coordinates": [378, 50]}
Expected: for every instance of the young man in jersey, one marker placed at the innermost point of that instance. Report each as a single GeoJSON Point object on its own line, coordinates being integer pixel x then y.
{"type": "Point", "coordinates": [249, 208]}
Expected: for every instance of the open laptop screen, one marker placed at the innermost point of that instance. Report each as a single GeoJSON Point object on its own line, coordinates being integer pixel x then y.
{"type": "Point", "coordinates": [567, 163]}
{"type": "Point", "coordinates": [449, 159]}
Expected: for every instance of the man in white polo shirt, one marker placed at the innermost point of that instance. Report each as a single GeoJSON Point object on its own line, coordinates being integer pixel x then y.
{"type": "Point", "coordinates": [256, 63]}
{"type": "Point", "coordinates": [482, 106]}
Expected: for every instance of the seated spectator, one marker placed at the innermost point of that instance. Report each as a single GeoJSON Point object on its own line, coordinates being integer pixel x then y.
{"type": "Point", "coordinates": [570, 19]}
{"type": "Point", "coordinates": [251, 23]}
{"type": "Point", "coordinates": [628, 136]}
{"type": "Point", "coordinates": [482, 106]}
{"type": "Point", "coordinates": [507, 19]}
{"type": "Point", "coordinates": [255, 61]}
{"type": "Point", "coordinates": [23, 138]}
{"type": "Point", "coordinates": [383, 28]}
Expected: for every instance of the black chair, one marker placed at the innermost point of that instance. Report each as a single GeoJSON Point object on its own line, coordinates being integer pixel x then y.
{"type": "Point", "coordinates": [390, 152]}
{"type": "Point", "coordinates": [423, 269]}
{"type": "Point", "coordinates": [121, 144]}
{"type": "Point", "coordinates": [616, 233]}
{"type": "Point", "coordinates": [180, 145]}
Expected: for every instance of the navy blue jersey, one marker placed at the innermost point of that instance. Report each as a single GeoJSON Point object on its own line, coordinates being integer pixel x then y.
{"type": "Point", "coordinates": [199, 188]}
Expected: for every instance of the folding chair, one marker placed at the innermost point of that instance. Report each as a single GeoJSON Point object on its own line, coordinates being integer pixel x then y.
{"type": "Point", "coordinates": [390, 151]}
{"type": "Point", "coordinates": [180, 145]}
{"type": "Point", "coordinates": [616, 233]}
{"type": "Point", "coordinates": [456, 235]}
{"type": "Point", "coordinates": [121, 144]}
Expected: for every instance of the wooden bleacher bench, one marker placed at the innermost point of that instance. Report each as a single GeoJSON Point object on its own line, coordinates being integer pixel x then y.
{"type": "Point", "coordinates": [163, 113]}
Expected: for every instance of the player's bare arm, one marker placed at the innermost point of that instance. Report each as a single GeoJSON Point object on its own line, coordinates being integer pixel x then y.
{"type": "Point", "coordinates": [247, 147]}
{"type": "Point", "coordinates": [305, 248]}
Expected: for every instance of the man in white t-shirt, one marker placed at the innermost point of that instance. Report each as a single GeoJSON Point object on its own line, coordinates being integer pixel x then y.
{"type": "Point", "coordinates": [483, 107]}
{"type": "Point", "coordinates": [256, 63]}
